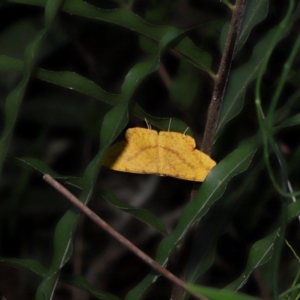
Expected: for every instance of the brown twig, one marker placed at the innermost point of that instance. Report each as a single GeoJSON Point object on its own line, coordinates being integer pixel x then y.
{"type": "Point", "coordinates": [222, 77]}
{"type": "Point", "coordinates": [101, 223]}
{"type": "Point", "coordinates": [165, 77]}
{"type": "Point", "coordinates": [213, 114]}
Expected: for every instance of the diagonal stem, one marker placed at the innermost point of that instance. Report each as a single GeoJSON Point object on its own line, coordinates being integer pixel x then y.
{"type": "Point", "coordinates": [101, 223]}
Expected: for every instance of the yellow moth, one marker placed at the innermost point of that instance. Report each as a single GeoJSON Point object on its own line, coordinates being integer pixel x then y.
{"type": "Point", "coordinates": [164, 153]}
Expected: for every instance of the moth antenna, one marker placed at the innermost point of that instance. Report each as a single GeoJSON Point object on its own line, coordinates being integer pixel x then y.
{"type": "Point", "coordinates": [186, 130]}
{"type": "Point", "coordinates": [148, 125]}
{"type": "Point", "coordinates": [169, 124]}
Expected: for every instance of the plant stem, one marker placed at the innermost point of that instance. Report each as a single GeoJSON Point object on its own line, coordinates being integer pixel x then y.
{"type": "Point", "coordinates": [212, 120]}
{"type": "Point", "coordinates": [102, 224]}
{"type": "Point", "coordinates": [222, 77]}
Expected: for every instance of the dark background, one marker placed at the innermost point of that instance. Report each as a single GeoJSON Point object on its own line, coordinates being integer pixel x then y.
{"type": "Point", "coordinates": [61, 127]}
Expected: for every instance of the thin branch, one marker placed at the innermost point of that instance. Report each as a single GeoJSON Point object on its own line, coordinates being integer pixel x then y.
{"type": "Point", "coordinates": [222, 77]}
{"type": "Point", "coordinates": [214, 110]}
{"type": "Point", "coordinates": [101, 223]}
{"type": "Point", "coordinates": [165, 77]}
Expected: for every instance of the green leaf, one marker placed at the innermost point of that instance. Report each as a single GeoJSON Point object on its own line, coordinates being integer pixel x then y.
{"type": "Point", "coordinates": [261, 251]}
{"type": "Point", "coordinates": [74, 280]}
{"type": "Point", "coordinates": [76, 82]}
{"type": "Point", "coordinates": [289, 291]}
{"type": "Point", "coordinates": [69, 80]}
{"type": "Point", "coordinates": [185, 85]}
{"type": "Point", "coordinates": [131, 21]}
{"type": "Point", "coordinates": [27, 264]}
{"type": "Point", "coordinates": [36, 165]}
{"type": "Point", "coordinates": [215, 294]}
{"type": "Point", "coordinates": [255, 12]}
{"type": "Point", "coordinates": [293, 210]}
{"type": "Point", "coordinates": [139, 213]}
{"type": "Point", "coordinates": [210, 191]}
{"type": "Point", "coordinates": [203, 249]}
{"type": "Point", "coordinates": [14, 101]}
{"type": "Point", "coordinates": [282, 113]}
{"type": "Point", "coordinates": [213, 225]}
{"type": "Point", "coordinates": [83, 284]}
{"type": "Point", "coordinates": [292, 121]}
{"type": "Point", "coordinates": [63, 247]}
{"type": "Point", "coordinates": [143, 215]}
{"type": "Point", "coordinates": [114, 122]}
{"type": "Point", "coordinates": [15, 98]}
{"type": "Point", "coordinates": [241, 77]}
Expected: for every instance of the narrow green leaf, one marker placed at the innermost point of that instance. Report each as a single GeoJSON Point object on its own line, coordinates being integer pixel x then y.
{"type": "Point", "coordinates": [69, 80]}
{"type": "Point", "coordinates": [292, 103]}
{"type": "Point", "coordinates": [63, 236]}
{"type": "Point", "coordinates": [27, 264]}
{"type": "Point", "coordinates": [114, 122]}
{"type": "Point", "coordinates": [83, 284]}
{"type": "Point", "coordinates": [210, 191]}
{"type": "Point", "coordinates": [143, 215]}
{"type": "Point", "coordinates": [131, 21]}
{"type": "Point", "coordinates": [212, 226]}
{"type": "Point", "coordinates": [36, 165]}
{"type": "Point", "coordinates": [256, 11]}
{"type": "Point", "coordinates": [289, 291]}
{"type": "Point", "coordinates": [14, 100]}
{"type": "Point", "coordinates": [76, 82]}
{"type": "Point", "coordinates": [241, 77]}
{"type": "Point", "coordinates": [292, 121]}
{"type": "Point", "coordinates": [140, 214]}
{"type": "Point", "coordinates": [293, 210]}
{"type": "Point", "coordinates": [74, 280]}
{"type": "Point", "coordinates": [184, 85]}
{"type": "Point", "coordinates": [261, 251]}
{"type": "Point", "coordinates": [215, 294]}
{"type": "Point", "coordinates": [203, 250]}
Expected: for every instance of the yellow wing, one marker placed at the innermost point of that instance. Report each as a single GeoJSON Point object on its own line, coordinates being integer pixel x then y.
{"type": "Point", "coordinates": [167, 154]}
{"type": "Point", "coordinates": [138, 154]}
{"type": "Point", "coordinates": [179, 158]}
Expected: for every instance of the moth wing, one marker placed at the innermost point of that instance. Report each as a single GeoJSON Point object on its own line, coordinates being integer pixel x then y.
{"type": "Point", "coordinates": [138, 154]}
{"type": "Point", "coordinates": [179, 158]}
